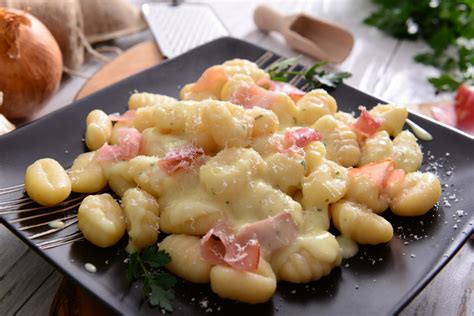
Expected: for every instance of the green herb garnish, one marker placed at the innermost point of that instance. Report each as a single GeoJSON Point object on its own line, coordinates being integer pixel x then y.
{"type": "Point", "coordinates": [314, 76]}
{"type": "Point", "coordinates": [447, 26]}
{"type": "Point", "coordinates": [157, 284]}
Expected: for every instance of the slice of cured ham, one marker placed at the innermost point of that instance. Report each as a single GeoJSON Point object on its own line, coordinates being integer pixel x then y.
{"type": "Point", "coordinates": [220, 246]}
{"type": "Point", "coordinates": [366, 124]}
{"type": "Point", "coordinates": [127, 148]}
{"type": "Point", "coordinates": [180, 158]}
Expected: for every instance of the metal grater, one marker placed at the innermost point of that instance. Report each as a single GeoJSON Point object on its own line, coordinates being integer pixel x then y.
{"type": "Point", "coordinates": [178, 28]}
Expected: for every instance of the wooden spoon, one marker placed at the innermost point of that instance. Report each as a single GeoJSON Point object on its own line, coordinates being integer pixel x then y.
{"type": "Point", "coordinates": [315, 37]}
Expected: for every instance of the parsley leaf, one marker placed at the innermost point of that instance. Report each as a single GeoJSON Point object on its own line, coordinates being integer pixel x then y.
{"type": "Point", "coordinates": [447, 26]}
{"type": "Point", "coordinates": [133, 269]}
{"type": "Point", "coordinates": [156, 259]}
{"type": "Point", "coordinates": [315, 77]}
{"type": "Point", "coordinates": [157, 284]}
{"type": "Point", "coordinates": [160, 297]}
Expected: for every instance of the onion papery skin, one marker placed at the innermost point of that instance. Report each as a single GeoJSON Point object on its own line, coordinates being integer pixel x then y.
{"type": "Point", "coordinates": [29, 79]}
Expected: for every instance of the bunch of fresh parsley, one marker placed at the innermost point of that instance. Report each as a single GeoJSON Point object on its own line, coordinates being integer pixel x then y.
{"type": "Point", "coordinates": [157, 284]}
{"type": "Point", "coordinates": [314, 76]}
{"type": "Point", "coordinates": [447, 26]}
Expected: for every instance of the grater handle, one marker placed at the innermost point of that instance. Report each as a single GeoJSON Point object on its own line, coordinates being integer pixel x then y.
{"type": "Point", "coordinates": [268, 19]}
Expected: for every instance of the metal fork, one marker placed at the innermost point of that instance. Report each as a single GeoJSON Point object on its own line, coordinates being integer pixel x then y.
{"type": "Point", "coordinates": [38, 222]}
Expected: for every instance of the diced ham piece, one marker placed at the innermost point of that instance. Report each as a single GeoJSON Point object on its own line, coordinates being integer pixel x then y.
{"type": "Point", "coordinates": [180, 158]}
{"type": "Point", "coordinates": [251, 95]}
{"type": "Point", "coordinates": [108, 153]}
{"type": "Point", "coordinates": [211, 79]}
{"type": "Point", "coordinates": [293, 92]}
{"type": "Point", "coordinates": [377, 171]}
{"type": "Point", "coordinates": [272, 233]}
{"type": "Point", "coordinates": [301, 137]}
{"type": "Point", "coordinates": [395, 177]}
{"type": "Point", "coordinates": [366, 124]}
{"type": "Point", "coordinates": [127, 116]}
{"type": "Point", "coordinates": [129, 141]}
{"type": "Point", "coordinates": [127, 148]}
{"type": "Point", "coordinates": [294, 141]}
{"type": "Point", "coordinates": [220, 246]}
{"type": "Point", "coordinates": [383, 173]}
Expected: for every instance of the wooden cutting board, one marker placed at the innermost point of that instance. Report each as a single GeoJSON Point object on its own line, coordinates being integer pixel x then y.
{"type": "Point", "coordinates": [70, 299]}
{"type": "Point", "coordinates": [132, 61]}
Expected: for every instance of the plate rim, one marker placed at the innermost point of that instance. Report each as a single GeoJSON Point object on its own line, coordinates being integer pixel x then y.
{"type": "Point", "coordinates": [458, 242]}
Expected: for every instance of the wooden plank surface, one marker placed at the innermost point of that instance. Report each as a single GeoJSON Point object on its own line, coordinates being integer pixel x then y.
{"type": "Point", "coordinates": [380, 65]}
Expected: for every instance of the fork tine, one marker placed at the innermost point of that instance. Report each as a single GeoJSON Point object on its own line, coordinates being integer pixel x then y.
{"type": "Point", "coordinates": [19, 220]}
{"type": "Point", "coordinates": [62, 243]}
{"type": "Point", "coordinates": [299, 81]}
{"type": "Point", "coordinates": [15, 206]}
{"type": "Point", "coordinates": [23, 199]}
{"type": "Point", "coordinates": [47, 223]}
{"type": "Point", "coordinates": [279, 59]}
{"type": "Point", "coordinates": [263, 59]}
{"type": "Point", "coordinates": [9, 209]}
{"type": "Point", "coordinates": [60, 240]}
{"type": "Point", "coordinates": [52, 231]}
{"type": "Point", "coordinates": [11, 189]}
{"type": "Point", "coordinates": [296, 79]}
{"type": "Point", "coordinates": [305, 87]}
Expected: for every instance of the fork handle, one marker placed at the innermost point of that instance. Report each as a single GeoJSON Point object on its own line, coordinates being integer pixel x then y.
{"type": "Point", "coordinates": [268, 19]}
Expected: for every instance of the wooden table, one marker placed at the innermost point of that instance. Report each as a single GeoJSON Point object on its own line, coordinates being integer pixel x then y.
{"type": "Point", "coordinates": [380, 66]}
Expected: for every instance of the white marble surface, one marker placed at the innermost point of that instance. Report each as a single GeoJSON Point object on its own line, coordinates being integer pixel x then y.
{"type": "Point", "coordinates": [380, 66]}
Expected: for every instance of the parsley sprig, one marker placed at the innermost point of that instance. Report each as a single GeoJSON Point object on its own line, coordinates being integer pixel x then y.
{"type": "Point", "coordinates": [314, 76]}
{"type": "Point", "coordinates": [446, 26]}
{"type": "Point", "coordinates": [157, 284]}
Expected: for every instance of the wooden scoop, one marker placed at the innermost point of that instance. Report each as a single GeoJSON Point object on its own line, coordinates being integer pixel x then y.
{"type": "Point", "coordinates": [313, 36]}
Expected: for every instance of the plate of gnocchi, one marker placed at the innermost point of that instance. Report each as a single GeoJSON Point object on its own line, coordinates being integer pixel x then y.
{"type": "Point", "coordinates": [257, 196]}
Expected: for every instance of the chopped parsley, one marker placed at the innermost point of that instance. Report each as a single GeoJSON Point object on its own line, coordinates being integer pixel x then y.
{"type": "Point", "coordinates": [157, 284]}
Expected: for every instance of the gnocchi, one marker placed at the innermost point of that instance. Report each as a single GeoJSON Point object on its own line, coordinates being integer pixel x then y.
{"type": "Point", "coordinates": [98, 130]}
{"type": "Point", "coordinates": [313, 105]}
{"type": "Point", "coordinates": [86, 174]}
{"type": "Point", "coordinates": [144, 99]}
{"type": "Point", "coordinates": [187, 262]}
{"type": "Point", "coordinates": [309, 258]}
{"type": "Point", "coordinates": [101, 219]}
{"type": "Point", "coordinates": [46, 182]}
{"type": "Point", "coordinates": [357, 222]}
{"type": "Point", "coordinates": [253, 286]}
{"type": "Point", "coordinates": [243, 178]}
{"type": "Point", "coordinates": [142, 218]}
{"type": "Point", "coordinates": [377, 147]}
{"type": "Point", "coordinates": [406, 152]}
{"type": "Point", "coordinates": [418, 194]}
{"type": "Point", "coordinates": [340, 141]}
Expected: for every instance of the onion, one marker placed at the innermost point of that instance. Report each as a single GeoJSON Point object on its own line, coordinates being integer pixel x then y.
{"type": "Point", "coordinates": [30, 62]}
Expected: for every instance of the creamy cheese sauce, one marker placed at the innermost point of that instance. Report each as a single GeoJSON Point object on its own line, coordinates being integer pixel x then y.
{"type": "Point", "coordinates": [349, 247]}
{"type": "Point", "coordinates": [90, 267]}
{"type": "Point", "coordinates": [56, 224]}
{"type": "Point", "coordinates": [419, 131]}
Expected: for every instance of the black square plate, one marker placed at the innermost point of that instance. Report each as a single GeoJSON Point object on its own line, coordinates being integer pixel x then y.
{"type": "Point", "coordinates": [379, 280]}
